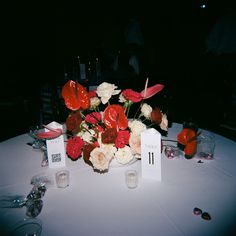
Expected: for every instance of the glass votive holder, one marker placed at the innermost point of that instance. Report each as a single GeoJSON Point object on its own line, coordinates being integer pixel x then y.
{"type": "Point", "coordinates": [62, 178]}
{"type": "Point", "coordinates": [131, 178]}
{"type": "Point", "coordinates": [171, 152]}
{"type": "Point", "coordinates": [206, 145]}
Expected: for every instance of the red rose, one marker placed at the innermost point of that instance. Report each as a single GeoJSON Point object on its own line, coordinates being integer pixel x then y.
{"type": "Point", "coordinates": [109, 136]}
{"type": "Point", "coordinates": [88, 148]}
{"type": "Point", "coordinates": [93, 118]}
{"type": "Point", "coordinates": [114, 117]}
{"type": "Point", "coordinates": [74, 146]}
{"type": "Point", "coordinates": [122, 138]}
{"type": "Point", "coordinates": [131, 95]}
{"type": "Point", "coordinates": [73, 122]}
{"type": "Point", "coordinates": [156, 115]}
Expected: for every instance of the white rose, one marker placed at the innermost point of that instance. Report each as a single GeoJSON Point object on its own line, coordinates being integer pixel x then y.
{"type": "Point", "coordinates": [94, 102]}
{"type": "Point", "coordinates": [164, 122]}
{"type": "Point", "coordinates": [83, 127]}
{"type": "Point", "coordinates": [110, 149]}
{"type": "Point", "coordinates": [106, 90]}
{"type": "Point", "coordinates": [136, 127]}
{"type": "Point", "coordinates": [124, 155]}
{"type": "Point", "coordinates": [87, 135]}
{"type": "Point", "coordinates": [122, 99]}
{"type": "Point", "coordinates": [146, 110]}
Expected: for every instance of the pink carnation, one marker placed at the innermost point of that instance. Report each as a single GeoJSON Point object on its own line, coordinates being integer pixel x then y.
{"type": "Point", "coordinates": [93, 118]}
{"type": "Point", "coordinates": [122, 138]}
{"type": "Point", "coordinates": [92, 93]}
{"type": "Point", "coordinates": [74, 147]}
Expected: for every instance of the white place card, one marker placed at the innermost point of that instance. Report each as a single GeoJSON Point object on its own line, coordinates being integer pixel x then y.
{"type": "Point", "coordinates": [56, 148]}
{"type": "Point", "coordinates": [151, 154]}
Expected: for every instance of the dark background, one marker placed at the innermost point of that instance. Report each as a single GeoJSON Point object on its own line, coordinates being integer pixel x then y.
{"type": "Point", "coordinates": [40, 40]}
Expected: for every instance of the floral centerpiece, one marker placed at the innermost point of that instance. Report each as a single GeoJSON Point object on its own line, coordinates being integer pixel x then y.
{"type": "Point", "coordinates": [101, 130]}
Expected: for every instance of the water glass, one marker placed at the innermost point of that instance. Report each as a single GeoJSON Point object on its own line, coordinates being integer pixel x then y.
{"type": "Point", "coordinates": [131, 178]}
{"type": "Point", "coordinates": [62, 178]}
{"type": "Point", "coordinates": [206, 145]}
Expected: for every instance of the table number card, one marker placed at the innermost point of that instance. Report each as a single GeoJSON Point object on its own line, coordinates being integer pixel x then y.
{"type": "Point", "coordinates": [151, 154]}
{"type": "Point", "coordinates": [56, 148]}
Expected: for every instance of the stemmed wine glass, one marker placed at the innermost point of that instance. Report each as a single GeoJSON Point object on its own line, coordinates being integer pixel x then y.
{"type": "Point", "coordinates": [38, 143]}
{"type": "Point", "coordinates": [32, 201]}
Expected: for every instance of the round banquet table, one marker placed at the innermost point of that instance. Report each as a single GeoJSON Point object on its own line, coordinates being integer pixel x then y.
{"type": "Point", "coordinates": [101, 204]}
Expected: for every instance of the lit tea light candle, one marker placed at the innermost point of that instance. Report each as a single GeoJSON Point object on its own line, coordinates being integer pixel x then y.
{"type": "Point", "coordinates": [131, 179]}
{"type": "Point", "coordinates": [62, 179]}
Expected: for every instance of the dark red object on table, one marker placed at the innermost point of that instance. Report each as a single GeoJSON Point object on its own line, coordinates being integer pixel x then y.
{"type": "Point", "coordinates": [187, 141]}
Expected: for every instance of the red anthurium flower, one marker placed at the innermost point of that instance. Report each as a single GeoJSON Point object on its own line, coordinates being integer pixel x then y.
{"type": "Point", "coordinates": [114, 117]}
{"type": "Point", "coordinates": [191, 148]}
{"type": "Point", "coordinates": [75, 96]}
{"type": "Point", "coordinates": [151, 91]}
{"type": "Point", "coordinates": [187, 137]}
{"type": "Point", "coordinates": [131, 95]}
{"type": "Point", "coordinates": [51, 134]}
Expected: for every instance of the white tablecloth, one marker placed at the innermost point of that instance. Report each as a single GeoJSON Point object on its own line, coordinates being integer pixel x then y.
{"type": "Point", "coordinates": [101, 204]}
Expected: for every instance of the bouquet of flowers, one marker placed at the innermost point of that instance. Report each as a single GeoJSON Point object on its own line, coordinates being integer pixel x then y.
{"type": "Point", "coordinates": [101, 130]}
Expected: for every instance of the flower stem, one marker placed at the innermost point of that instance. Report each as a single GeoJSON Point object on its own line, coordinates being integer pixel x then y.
{"type": "Point", "coordinates": [138, 109]}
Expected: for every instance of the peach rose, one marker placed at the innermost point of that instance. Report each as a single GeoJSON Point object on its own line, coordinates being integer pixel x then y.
{"type": "Point", "coordinates": [135, 144]}
{"type": "Point", "coordinates": [100, 159]}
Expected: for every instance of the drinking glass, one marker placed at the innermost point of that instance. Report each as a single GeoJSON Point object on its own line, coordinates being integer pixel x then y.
{"type": "Point", "coordinates": [206, 145]}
